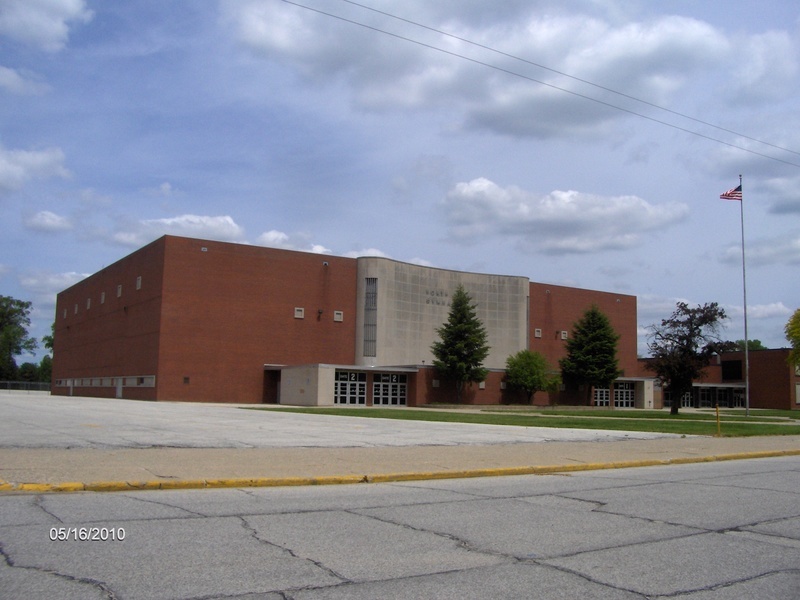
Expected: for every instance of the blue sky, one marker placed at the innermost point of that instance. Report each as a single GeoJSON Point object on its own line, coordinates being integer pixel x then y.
{"type": "Point", "coordinates": [494, 136]}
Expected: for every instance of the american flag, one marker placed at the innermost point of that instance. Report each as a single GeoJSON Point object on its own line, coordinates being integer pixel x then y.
{"type": "Point", "coordinates": [734, 194]}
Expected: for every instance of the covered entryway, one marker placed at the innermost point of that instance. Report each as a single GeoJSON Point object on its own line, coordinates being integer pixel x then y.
{"type": "Point", "coordinates": [272, 385]}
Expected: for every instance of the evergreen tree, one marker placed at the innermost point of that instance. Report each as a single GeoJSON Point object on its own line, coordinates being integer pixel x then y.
{"type": "Point", "coordinates": [591, 352]}
{"type": "Point", "coordinates": [459, 354]}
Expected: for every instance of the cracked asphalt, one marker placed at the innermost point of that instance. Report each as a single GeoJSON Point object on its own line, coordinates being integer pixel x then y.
{"type": "Point", "coordinates": [721, 530]}
{"type": "Point", "coordinates": [702, 530]}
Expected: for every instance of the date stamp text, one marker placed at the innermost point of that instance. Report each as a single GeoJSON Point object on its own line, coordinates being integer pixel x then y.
{"type": "Point", "coordinates": [87, 534]}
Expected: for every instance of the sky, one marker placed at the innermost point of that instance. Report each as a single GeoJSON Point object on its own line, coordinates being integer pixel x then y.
{"type": "Point", "coordinates": [579, 143]}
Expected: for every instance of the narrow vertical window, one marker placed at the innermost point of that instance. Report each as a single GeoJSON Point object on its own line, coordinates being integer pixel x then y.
{"type": "Point", "coordinates": [371, 316]}
{"type": "Point", "coordinates": [139, 282]}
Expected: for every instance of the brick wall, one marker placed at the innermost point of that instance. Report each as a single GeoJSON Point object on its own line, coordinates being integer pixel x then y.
{"type": "Point", "coordinates": [108, 325]}
{"type": "Point", "coordinates": [554, 309]}
{"type": "Point", "coordinates": [772, 380]}
{"type": "Point", "coordinates": [229, 309]}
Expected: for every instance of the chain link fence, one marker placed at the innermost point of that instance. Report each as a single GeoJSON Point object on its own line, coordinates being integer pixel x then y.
{"type": "Point", "coordinates": [25, 386]}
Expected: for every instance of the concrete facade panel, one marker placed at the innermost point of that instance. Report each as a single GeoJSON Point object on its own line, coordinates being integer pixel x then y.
{"type": "Point", "coordinates": [414, 301]}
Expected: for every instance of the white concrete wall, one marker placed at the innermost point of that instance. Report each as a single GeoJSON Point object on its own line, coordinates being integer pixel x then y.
{"type": "Point", "coordinates": [413, 301]}
{"type": "Point", "coordinates": [307, 385]}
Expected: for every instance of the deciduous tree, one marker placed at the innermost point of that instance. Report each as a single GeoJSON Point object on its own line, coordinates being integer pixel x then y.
{"type": "Point", "coordinates": [792, 330]}
{"type": "Point", "coordinates": [682, 346]}
{"type": "Point", "coordinates": [751, 345]}
{"type": "Point", "coordinates": [14, 338]}
{"type": "Point", "coordinates": [528, 371]}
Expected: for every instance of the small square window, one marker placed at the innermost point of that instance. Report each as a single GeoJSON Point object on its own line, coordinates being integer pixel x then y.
{"type": "Point", "coordinates": [564, 335]}
{"type": "Point", "coordinates": [537, 333]}
{"type": "Point", "coordinates": [338, 316]}
{"type": "Point", "coordinates": [186, 381]}
{"type": "Point", "coordinates": [299, 312]}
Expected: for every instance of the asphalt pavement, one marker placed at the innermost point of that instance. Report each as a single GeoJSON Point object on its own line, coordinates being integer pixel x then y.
{"type": "Point", "coordinates": [710, 531]}
{"type": "Point", "coordinates": [50, 443]}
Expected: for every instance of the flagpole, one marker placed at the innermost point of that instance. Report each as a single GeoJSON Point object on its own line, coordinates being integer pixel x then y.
{"type": "Point", "coordinates": [744, 293]}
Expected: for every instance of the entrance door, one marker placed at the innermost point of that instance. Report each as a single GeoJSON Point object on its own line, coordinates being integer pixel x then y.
{"type": "Point", "coordinates": [625, 394]}
{"type": "Point", "coordinates": [389, 389]}
{"type": "Point", "coordinates": [351, 388]}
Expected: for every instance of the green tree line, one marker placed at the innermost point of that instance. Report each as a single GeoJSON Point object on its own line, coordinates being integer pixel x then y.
{"type": "Point", "coordinates": [16, 341]}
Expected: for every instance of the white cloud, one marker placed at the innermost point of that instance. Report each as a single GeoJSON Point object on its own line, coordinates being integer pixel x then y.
{"type": "Point", "coordinates": [19, 166]}
{"type": "Point", "coordinates": [42, 23]}
{"type": "Point", "coordinates": [783, 249]}
{"type": "Point", "coordinates": [44, 286]}
{"type": "Point", "coordinates": [786, 194]}
{"type": "Point", "coordinates": [47, 221]}
{"type": "Point", "coordinates": [652, 60]}
{"type": "Point", "coordinates": [274, 239]}
{"type": "Point", "coordinates": [221, 228]}
{"type": "Point", "coordinates": [767, 66]}
{"type": "Point", "coordinates": [319, 249]}
{"type": "Point", "coordinates": [421, 262]}
{"type": "Point", "coordinates": [163, 190]}
{"type": "Point", "coordinates": [16, 83]}
{"type": "Point", "coordinates": [279, 239]}
{"type": "Point", "coordinates": [561, 222]}
{"type": "Point", "coordinates": [766, 311]}
{"type": "Point", "coordinates": [367, 252]}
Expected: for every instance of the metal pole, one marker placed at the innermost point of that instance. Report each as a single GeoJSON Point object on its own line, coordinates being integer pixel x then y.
{"type": "Point", "coordinates": [744, 292]}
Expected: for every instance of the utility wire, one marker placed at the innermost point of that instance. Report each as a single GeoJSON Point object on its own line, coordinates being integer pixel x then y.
{"type": "Point", "coordinates": [573, 77]}
{"type": "Point", "coordinates": [552, 86]}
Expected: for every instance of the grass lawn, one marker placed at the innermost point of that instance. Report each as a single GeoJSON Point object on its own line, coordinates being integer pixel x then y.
{"type": "Point", "coordinates": [624, 420]}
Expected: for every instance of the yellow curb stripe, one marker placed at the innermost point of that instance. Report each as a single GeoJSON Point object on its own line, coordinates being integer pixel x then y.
{"type": "Point", "coordinates": [183, 484]}
{"type": "Point", "coordinates": [285, 481]}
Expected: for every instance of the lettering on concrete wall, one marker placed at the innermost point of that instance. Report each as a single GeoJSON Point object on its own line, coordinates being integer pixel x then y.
{"type": "Point", "coordinates": [437, 297]}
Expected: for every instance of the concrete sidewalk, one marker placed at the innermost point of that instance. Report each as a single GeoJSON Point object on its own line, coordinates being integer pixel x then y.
{"type": "Point", "coordinates": [37, 470]}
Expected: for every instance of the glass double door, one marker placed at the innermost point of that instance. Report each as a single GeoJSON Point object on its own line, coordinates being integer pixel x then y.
{"type": "Point", "coordinates": [351, 388]}
{"type": "Point", "coordinates": [389, 389]}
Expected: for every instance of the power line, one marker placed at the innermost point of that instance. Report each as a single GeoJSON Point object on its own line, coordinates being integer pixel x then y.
{"type": "Point", "coordinates": [573, 77]}
{"type": "Point", "coordinates": [550, 85]}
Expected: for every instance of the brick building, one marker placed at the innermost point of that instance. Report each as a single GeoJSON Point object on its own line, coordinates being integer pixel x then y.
{"type": "Point", "coordinates": [774, 383]}
{"type": "Point", "coordinates": [193, 320]}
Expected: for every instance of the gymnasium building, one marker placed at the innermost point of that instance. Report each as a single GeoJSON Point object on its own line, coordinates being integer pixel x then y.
{"type": "Point", "coordinates": [185, 319]}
